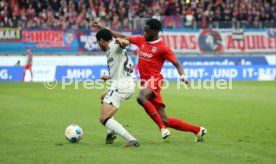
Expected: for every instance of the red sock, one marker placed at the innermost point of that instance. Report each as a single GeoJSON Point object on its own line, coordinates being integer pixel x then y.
{"type": "Point", "coordinates": [151, 111]}
{"type": "Point", "coordinates": [183, 126]}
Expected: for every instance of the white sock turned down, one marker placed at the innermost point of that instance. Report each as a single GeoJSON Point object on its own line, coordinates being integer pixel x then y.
{"type": "Point", "coordinates": [115, 126]}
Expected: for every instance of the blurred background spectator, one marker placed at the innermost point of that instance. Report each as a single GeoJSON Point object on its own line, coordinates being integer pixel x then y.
{"type": "Point", "coordinates": [129, 14]}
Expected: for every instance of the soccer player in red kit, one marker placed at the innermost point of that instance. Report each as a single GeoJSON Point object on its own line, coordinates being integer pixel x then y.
{"type": "Point", "coordinates": [152, 54]}
{"type": "Point", "coordinates": [29, 64]}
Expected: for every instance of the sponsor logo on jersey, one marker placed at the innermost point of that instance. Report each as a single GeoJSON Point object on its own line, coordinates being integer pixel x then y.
{"type": "Point", "coordinates": [145, 54]}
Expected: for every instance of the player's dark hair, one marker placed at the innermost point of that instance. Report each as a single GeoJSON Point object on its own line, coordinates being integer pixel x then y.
{"type": "Point", "coordinates": [104, 34]}
{"type": "Point", "coordinates": [154, 24]}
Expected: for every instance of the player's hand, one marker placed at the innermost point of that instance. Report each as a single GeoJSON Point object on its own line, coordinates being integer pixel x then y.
{"type": "Point", "coordinates": [185, 80]}
{"type": "Point", "coordinates": [130, 68]}
{"type": "Point", "coordinates": [105, 77]}
{"type": "Point", "coordinates": [122, 42]}
{"type": "Point", "coordinates": [97, 24]}
{"type": "Point", "coordinates": [119, 41]}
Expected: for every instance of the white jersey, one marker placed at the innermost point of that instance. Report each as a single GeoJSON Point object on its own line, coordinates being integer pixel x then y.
{"type": "Point", "coordinates": [118, 62]}
{"type": "Point", "coordinates": [119, 68]}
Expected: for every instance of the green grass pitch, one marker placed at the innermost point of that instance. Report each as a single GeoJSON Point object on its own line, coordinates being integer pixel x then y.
{"type": "Point", "coordinates": [240, 122]}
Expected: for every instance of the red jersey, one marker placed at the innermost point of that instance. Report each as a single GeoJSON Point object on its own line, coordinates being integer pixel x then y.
{"type": "Point", "coordinates": [152, 56]}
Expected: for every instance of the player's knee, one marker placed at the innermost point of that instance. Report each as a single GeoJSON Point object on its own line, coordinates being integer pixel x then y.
{"type": "Point", "coordinates": [140, 99]}
{"type": "Point", "coordinates": [104, 119]}
{"type": "Point", "coordinates": [101, 120]}
{"type": "Point", "coordinates": [165, 121]}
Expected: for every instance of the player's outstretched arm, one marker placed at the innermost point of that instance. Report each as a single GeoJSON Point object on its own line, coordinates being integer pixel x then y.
{"type": "Point", "coordinates": [114, 33]}
{"type": "Point", "coordinates": [122, 42]}
{"type": "Point", "coordinates": [181, 72]}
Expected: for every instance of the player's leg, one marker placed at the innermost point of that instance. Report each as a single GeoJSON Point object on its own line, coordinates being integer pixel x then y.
{"type": "Point", "coordinates": [111, 104]}
{"type": "Point", "coordinates": [176, 123]}
{"type": "Point", "coordinates": [106, 119]}
{"type": "Point", "coordinates": [111, 136]}
{"type": "Point", "coordinates": [143, 99]}
{"type": "Point", "coordinates": [31, 71]}
{"type": "Point", "coordinates": [24, 73]}
{"type": "Point", "coordinates": [103, 95]}
{"type": "Point", "coordinates": [181, 125]}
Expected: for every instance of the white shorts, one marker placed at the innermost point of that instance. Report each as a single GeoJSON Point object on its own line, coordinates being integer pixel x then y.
{"type": "Point", "coordinates": [116, 94]}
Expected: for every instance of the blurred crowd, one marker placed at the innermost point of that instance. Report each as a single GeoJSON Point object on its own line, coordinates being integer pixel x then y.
{"type": "Point", "coordinates": [127, 14]}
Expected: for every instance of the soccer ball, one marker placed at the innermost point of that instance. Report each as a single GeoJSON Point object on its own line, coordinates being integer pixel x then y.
{"type": "Point", "coordinates": [73, 133]}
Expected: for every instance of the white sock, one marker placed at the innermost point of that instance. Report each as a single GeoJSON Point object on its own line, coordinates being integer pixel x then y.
{"type": "Point", "coordinates": [108, 130]}
{"type": "Point", "coordinates": [112, 124]}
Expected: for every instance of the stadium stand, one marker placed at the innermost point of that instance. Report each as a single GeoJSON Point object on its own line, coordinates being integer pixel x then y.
{"type": "Point", "coordinates": [129, 14]}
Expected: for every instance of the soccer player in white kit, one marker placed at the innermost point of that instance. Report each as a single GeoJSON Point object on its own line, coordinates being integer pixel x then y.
{"type": "Point", "coordinates": [121, 89]}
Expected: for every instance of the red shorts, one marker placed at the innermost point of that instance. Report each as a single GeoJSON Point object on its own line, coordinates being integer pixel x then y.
{"type": "Point", "coordinates": [28, 66]}
{"type": "Point", "coordinates": [155, 84]}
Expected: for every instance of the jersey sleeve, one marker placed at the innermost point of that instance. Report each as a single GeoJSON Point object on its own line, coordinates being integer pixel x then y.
{"type": "Point", "coordinates": [137, 40]}
{"type": "Point", "coordinates": [168, 54]}
{"type": "Point", "coordinates": [116, 49]}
